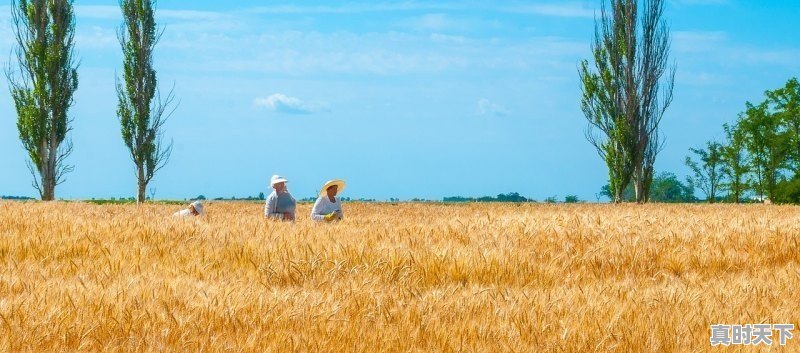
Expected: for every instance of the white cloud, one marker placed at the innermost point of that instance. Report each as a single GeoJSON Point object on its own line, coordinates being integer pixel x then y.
{"type": "Point", "coordinates": [297, 53]}
{"type": "Point", "coordinates": [109, 12]}
{"type": "Point", "coordinates": [96, 37]}
{"type": "Point", "coordinates": [485, 107]}
{"type": "Point", "coordinates": [554, 8]}
{"type": "Point", "coordinates": [282, 103]}
{"type": "Point", "coordinates": [780, 57]}
{"type": "Point", "coordinates": [435, 22]}
{"type": "Point", "coordinates": [700, 2]}
{"type": "Point", "coordinates": [561, 9]}
{"type": "Point", "coordinates": [444, 38]}
{"type": "Point", "coordinates": [98, 12]}
{"type": "Point", "coordinates": [697, 41]}
{"type": "Point", "coordinates": [192, 15]}
{"type": "Point", "coordinates": [717, 46]}
{"type": "Point", "coordinates": [702, 78]}
{"type": "Point", "coordinates": [351, 8]}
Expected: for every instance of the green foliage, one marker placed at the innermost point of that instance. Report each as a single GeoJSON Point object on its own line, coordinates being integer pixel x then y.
{"type": "Point", "coordinates": [43, 85]}
{"type": "Point", "coordinates": [129, 200]}
{"type": "Point", "coordinates": [628, 195]}
{"type": "Point", "coordinates": [16, 198]}
{"type": "Point", "coordinates": [510, 197]}
{"type": "Point", "coordinates": [788, 191]}
{"type": "Point", "coordinates": [733, 157]}
{"type": "Point", "coordinates": [141, 113]}
{"type": "Point", "coordinates": [785, 103]}
{"type": "Point", "coordinates": [766, 144]}
{"type": "Point", "coordinates": [626, 93]}
{"type": "Point", "coordinates": [571, 199]}
{"type": "Point", "coordinates": [761, 153]}
{"type": "Point", "coordinates": [708, 170]}
{"type": "Point", "coordinates": [665, 188]}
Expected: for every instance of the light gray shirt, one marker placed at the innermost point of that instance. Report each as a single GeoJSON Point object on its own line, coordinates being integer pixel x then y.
{"type": "Point", "coordinates": [278, 203]}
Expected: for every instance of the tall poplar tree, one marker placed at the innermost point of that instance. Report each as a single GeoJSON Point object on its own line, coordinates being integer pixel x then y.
{"type": "Point", "coordinates": [141, 110]}
{"type": "Point", "coordinates": [627, 92]}
{"type": "Point", "coordinates": [42, 87]}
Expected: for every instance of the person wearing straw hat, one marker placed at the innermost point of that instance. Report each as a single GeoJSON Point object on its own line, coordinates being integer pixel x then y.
{"type": "Point", "coordinates": [280, 203]}
{"type": "Point", "coordinates": [328, 207]}
{"type": "Point", "coordinates": [194, 209]}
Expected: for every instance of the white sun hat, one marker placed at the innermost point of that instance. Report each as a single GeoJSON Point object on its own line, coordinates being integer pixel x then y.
{"type": "Point", "coordinates": [334, 182]}
{"type": "Point", "coordinates": [198, 206]}
{"type": "Point", "coordinates": [277, 179]}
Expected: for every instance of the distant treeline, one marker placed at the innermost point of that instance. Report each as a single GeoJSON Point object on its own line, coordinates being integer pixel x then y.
{"type": "Point", "coordinates": [510, 197]}
{"type": "Point", "coordinates": [4, 197]}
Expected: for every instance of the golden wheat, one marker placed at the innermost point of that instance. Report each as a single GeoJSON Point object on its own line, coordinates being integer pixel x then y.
{"type": "Point", "coordinates": [393, 278]}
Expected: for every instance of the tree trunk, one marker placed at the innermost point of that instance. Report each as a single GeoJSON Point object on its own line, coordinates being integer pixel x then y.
{"type": "Point", "coordinates": [47, 174]}
{"type": "Point", "coordinates": [47, 190]}
{"type": "Point", "coordinates": [141, 197]}
{"type": "Point", "coordinates": [639, 187]}
{"type": "Point", "coordinates": [618, 196]}
{"type": "Point", "coordinates": [48, 185]}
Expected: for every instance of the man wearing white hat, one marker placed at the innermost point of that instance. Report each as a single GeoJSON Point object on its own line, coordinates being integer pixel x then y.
{"type": "Point", "coordinates": [280, 203]}
{"type": "Point", "coordinates": [194, 209]}
{"type": "Point", "coordinates": [328, 207]}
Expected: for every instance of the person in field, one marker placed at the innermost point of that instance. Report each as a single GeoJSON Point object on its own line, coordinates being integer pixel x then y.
{"type": "Point", "coordinates": [328, 207]}
{"type": "Point", "coordinates": [280, 204]}
{"type": "Point", "coordinates": [194, 209]}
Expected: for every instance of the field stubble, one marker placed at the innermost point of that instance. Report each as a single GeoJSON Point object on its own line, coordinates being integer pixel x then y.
{"type": "Point", "coordinates": [393, 278]}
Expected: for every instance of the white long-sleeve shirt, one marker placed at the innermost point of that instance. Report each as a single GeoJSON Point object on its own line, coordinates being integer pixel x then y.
{"type": "Point", "coordinates": [324, 207]}
{"type": "Point", "coordinates": [183, 213]}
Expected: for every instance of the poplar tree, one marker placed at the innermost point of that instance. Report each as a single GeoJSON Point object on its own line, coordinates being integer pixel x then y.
{"type": "Point", "coordinates": [42, 87]}
{"type": "Point", "coordinates": [627, 92]}
{"type": "Point", "coordinates": [141, 110]}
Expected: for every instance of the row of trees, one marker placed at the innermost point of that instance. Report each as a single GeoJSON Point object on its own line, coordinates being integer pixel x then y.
{"type": "Point", "coordinates": [666, 187]}
{"type": "Point", "coordinates": [760, 155]}
{"type": "Point", "coordinates": [510, 197]}
{"type": "Point", "coordinates": [46, 77]}
{"type": "Point", "coordinates": [626, 92]}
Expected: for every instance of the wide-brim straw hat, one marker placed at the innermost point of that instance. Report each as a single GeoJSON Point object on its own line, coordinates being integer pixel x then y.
{"type": "Point", "coordinates": [277, 179]}
{"type": "Point", "coordinates": [198, 206]}
{"type": "Point", "coordinates": [336, 182]}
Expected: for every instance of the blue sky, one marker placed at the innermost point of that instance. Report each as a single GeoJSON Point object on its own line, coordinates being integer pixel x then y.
{"type": "Point", "coordinates": [400, 99]}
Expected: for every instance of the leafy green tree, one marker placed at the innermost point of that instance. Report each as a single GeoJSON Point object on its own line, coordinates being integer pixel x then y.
{"type": "Point", "coordinates": [599, 106]}
{"type": "Point", "coordinates": [141, 111]}
{"type": "Point", "coordinates": [767, 147]}
{"type": "Point", "coordinates": [788, 191]}
{"type": "Point", "coordinates": [733, 156]}
{"type": "Point", "coordinates": [628, 195]}
{"type": "Point", "coordinates": [44, 86]}
{"type": "Point", "coordinates": [627, 93]}
{"type": "Point", "coordinates": [667, 188]}
{"type": "Point", "coordinates": [571, 199]}
{"type": "Point", "coordinates": [785, 102]}
{"type": "Point", "coordinates": [708, 170]}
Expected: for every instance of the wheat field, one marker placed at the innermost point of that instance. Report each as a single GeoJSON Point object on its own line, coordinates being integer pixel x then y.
{"type": "Point", "coordinates": [394, 278]}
